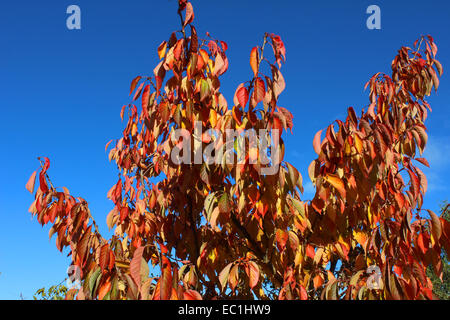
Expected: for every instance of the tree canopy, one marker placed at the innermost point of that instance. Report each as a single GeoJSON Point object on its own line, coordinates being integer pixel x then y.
{"type": "Point", "coordinates": [219, 217]}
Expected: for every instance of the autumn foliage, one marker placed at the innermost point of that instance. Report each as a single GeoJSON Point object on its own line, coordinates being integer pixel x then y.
{"type": "Point", "coordinates": [226, 230]}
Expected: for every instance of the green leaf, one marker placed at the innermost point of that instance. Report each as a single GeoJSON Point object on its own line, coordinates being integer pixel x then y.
{"type": "Point", "coordinates": [224, 203]}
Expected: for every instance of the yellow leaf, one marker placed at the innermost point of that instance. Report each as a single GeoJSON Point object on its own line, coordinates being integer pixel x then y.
{"type": "Point", "coordinates": [358, 144]}
{"type": "Point", "coordinates": [162, 49]}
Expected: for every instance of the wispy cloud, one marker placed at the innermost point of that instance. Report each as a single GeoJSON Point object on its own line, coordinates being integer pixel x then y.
{"type": "Point", "coordinates": [437, 151]}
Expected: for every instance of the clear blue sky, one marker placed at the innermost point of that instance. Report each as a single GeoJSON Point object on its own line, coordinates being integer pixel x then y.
{"type": "Point", "coordinates": [61, 92]}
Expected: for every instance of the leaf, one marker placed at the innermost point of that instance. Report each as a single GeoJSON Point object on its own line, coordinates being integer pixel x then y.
{"type": "Point", "coordinates": [241, 95]}
{"type": "Point", "coordinates": [415, 183]}
{"type": "Point", "coordinates": [204, 90]}
{"type": "Point", "coordinates": [189, 14]}
{"type": "Point", "coordinates": [209, 203]}
{"type": "Point", "coordinates": [435, 78]}
{"type": "Point", "coordinates": [192, 295]}
{"type": "Point", "coordinates": [278, 84]}
{"type": "Point", "coordinates": [423, 180]}
{"type": "Point", "coordinates": [436, 227]}
{"type": "Point", "coordinates": [166, 279]}
{"type": "Point", "coordinates": [134, 83]}
{"type": "Point", "coordinates": [135, 266]}
{"type": "Point", "coordinates": [223, 276]}
{"type": "Point", "coordinates": [360, 237]}
{"type": "Point", "coordinates": [224, 203]}
{"type": "Point", "coordinates": [104, 289]}
{"type": "Point", "coordinates": [423, 161]}
{"type": "Point", "coordinates": [162, 49]}
{"type": "Point", "coordinates": [253, 274]}
{"type": "Point", "coordinates": [316, 142]}
{"type": "Point", "coordinates": [31, 181]}
{"type": "Point", "coordinates": [318, 281]}
{"type": "Point", "coordinates": [104, 256]}
{"type": "Point", "coordinates": [233, 277]}
{"type": "Point", "coordinates": [254, 59]}
{"type": "Point", "coordinates": [294, 176]}
{"type": "Point", "coordinates": [138, 92]}
{"type": "Point", "coordinates": [299, 206]}
{"type": "Point", "coordinates": [145, 97]}
{"type": "Point", "coordinates": [337, 183]}
{"type": "Point", "coordinates": [219, 65]}
{"type": "Point", "coordinates": [355, 278]}
{"type": "Point", "coordinates": [93, 280]}
{"type": "Point", "coordinates": [259, 91]}
{"type": "Point", "coordinates": [439, 67]}
{"type": "Point", "coordinates": [318, 256]}
{"type": "Point", "coordinates": [281, 238]}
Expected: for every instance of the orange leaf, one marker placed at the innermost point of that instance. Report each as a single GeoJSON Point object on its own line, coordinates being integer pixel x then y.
{"type": "Point", "coordinates": [31, 182]}
{"type": "Point", "coordinates": [254, 58]}
{"type": "Point", "coordinates": [253, 274]}
{"type": "Point", "coordinates": [223, 276]}
{"type": "Point", "coordinates": [336, 182]}
{"type": "Point", "coordinates": [318, 281]}
{"type": "Point", "coordinates": [281, 237]}
{"type": "Point", "coordinates": [134, 83]}
{"type": "Point", "coordinates": [166, 279]}
{"type": "Point", "coordinates": [104, 289]}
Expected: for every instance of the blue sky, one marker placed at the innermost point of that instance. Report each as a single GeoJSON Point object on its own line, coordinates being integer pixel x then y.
{"type": "Point", "coordinates": [61, 92]}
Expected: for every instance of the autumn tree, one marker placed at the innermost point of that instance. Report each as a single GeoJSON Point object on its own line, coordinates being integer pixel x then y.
{"type": "Point", "coordinates": [230, 222]}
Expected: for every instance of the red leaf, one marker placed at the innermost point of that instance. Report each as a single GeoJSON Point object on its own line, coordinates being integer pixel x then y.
{"type": "Point", "coordinates": [192, 295]}
{"type": "Point", "coordinates": [415, 183]}
{"type": "Point", "coordinates": [423, 161]}
{"type": "Point", "coordinates": [42, 182]}
{"type": "Point", "coordinates": [259, 91]}
{"type": "Point", "coordinates": [145, 97]}
{"type": "Point", "coordinates": [242, 96]}
{"type": "Point", "coordinates": [104, 257]}
{"type": "Point", "coordinates": [178, 49]}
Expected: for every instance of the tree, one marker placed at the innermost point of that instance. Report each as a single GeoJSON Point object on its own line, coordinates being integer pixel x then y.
{"type": "Point", "coordinates": [441, 286]}
{"type": "Point", "coordinates": [228, 221]}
